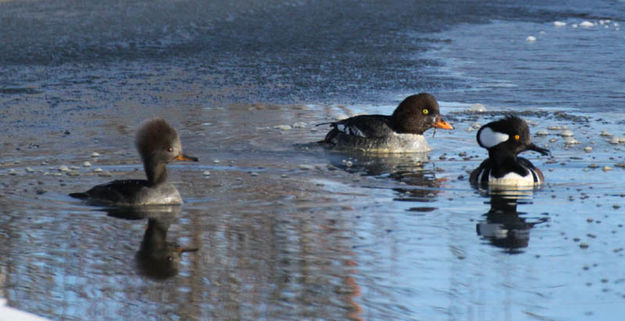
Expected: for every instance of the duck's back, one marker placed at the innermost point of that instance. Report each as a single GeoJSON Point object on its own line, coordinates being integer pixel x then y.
{"type": "Point", "coordinates": [131, 192]}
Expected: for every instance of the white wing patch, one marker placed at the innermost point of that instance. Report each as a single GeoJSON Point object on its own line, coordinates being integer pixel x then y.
{"type": "Point", "coordinates": [489, 138]}
{"type": "Point", "coordinates": [350, 130]}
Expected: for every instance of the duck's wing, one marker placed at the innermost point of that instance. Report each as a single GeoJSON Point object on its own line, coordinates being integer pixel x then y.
{"type": "Point", "coordinates": [118, 191]}
{"type": "Point", "coordinates": [365, 126]}
{"type": "Point", "coordinates": [480, 175]}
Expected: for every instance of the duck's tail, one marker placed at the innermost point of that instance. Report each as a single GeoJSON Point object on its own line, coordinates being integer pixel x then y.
{"type": "Point", "coordinates": [81, 196]}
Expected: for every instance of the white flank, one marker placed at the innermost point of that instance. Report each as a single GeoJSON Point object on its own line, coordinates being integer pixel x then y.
{"type": "Point", "coordinates": [489, 138]}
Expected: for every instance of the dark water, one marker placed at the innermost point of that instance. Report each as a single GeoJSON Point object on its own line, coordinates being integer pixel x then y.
{"type": "Point", "coordinates": [285, 232]}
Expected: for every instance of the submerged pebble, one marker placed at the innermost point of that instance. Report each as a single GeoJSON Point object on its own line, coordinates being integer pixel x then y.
{"type": "Point", "coordinates": [63, 168]}
{"type": "Point", "coordinates": [542, 133]}
{"type": "Point", "coordinates": [605, 133]}
{"type": "Point", "coordinates": [206, 173]}
{"type": "Point", "coordinates": [477, 108]}
{"type": "Point", "coordinates": [606, 168]}
{"type": "Point", "coordinates": [559, 24]}
{"type": "Point", "coordinates": [571, 141]}
{"type": "Point", "coordinates": [282, 127]}
{"type": "Point", "coordinates": [588, 149]}
{"type": "Point", "coordinates": [299, 124]}
{"type": "Point", "coordinates": [566, 133]}
{"type": "Point", "coordinates": [95, 154]}
{"type": "Point", "coordinates": [530, 39]}
{"type": "Point", "coordinates": [86, 164]}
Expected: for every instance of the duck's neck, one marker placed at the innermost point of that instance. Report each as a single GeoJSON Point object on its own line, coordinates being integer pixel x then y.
{"type": "Point", "coordinates": [156, 172]}
{"type": "Point", "coordinates": [155, 236]}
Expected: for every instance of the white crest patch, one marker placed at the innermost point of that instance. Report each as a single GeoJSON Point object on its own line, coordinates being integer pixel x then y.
{"type": "Point", "coordinates": [489, 138]}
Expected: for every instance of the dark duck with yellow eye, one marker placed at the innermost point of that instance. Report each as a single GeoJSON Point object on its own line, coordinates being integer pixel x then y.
{"type": "Point", "coordinates": [158, 144]}
{"type": "Point", "coordinates": [505, 139]}
{"type": "Point", "coordinates": [400, 132]}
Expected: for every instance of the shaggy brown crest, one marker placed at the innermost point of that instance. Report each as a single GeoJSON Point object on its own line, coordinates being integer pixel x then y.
{"type": "Point", "coordinates": [155, 135]}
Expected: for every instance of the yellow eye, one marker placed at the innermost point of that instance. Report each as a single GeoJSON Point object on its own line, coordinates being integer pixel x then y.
{"type": "Point", "coordinates": [425, 112]}
{"type": "Point", "coordinates": [517, 137]}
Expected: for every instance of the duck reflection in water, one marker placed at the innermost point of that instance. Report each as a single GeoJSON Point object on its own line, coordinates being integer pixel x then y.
{"type": "Point", "coordinates": [157, 258]}
{"type": "Point", "coordinates": [413, 170]}
{"type": "Point", "coordinates": [505, 227]}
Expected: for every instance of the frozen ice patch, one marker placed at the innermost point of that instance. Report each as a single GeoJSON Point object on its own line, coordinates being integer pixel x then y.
{"type": "Point", "coordinates": [587, 24]}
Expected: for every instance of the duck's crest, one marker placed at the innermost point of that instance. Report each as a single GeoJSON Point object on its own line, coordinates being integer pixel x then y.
{"type": "Point", "coordinates": [154, 134]}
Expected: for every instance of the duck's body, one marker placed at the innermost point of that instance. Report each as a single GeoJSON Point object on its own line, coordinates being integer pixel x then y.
{"type": "Point", "coordinates": [523, 174]}
{"type": "Point", "coordinates": [398, 133]}
{"type": "Point", "coordinates": [158, 144]}
{"type": "Point", "coordinates": [132, 192]}
{"type": "Point", "coordinates": [505, 139]}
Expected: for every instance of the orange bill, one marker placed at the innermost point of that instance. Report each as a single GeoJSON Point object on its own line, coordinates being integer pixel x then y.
{"type": "Point", "coordinates": [440, 123]}
{"type": "Point", "coordinates": [187, 249]}
{"type": "Point", "coordinates": [183, 157]}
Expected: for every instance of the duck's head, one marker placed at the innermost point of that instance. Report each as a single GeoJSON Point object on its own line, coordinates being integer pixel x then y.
{"type": "Point", "coordinates": [418, 113]}
{"type": "Point", "coordinates": [158, 142]}
{"type": "Point", "coordinates": [509, 135]}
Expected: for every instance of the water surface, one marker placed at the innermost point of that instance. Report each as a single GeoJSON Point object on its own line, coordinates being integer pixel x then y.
{"type": "Point", "coordinates": [292, 232]}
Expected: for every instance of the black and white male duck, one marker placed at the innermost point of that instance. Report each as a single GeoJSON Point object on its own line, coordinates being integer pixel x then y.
{"type": "Point", "coordinates": [400, 132]}
{"type": "Point", "coordinates": [505, 139]}
{"type": "Point", "coordinates": [158, 144]}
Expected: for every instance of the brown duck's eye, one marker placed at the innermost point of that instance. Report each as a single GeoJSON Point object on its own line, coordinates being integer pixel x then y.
{"type": "Point", "coordinates": [170, 149]}
{"type": "Point", "coordinates": [517, 137]}
{"type": "Point", "coordinates": [425, 111]}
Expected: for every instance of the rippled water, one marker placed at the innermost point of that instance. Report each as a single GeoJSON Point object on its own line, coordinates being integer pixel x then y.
{"type": "Point", "coordinates": [285, 230]}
